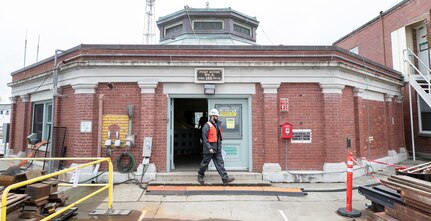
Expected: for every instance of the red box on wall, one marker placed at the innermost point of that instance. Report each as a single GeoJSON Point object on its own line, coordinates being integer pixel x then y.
{"type": "Point", "coordinates": [284, 104]}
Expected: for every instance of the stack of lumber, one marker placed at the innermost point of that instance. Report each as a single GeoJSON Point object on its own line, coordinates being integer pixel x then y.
{"type": "Point", "coordinates": [14, 204]}
{"type": "Point", "coordinates": [416, 197]}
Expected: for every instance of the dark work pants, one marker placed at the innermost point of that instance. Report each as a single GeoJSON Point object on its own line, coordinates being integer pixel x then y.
{"type": "Point", "coordinates": [218, 162]}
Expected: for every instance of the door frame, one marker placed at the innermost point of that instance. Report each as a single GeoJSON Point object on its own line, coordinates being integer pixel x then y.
{"type": "Point", "coordinates": [169, 123]}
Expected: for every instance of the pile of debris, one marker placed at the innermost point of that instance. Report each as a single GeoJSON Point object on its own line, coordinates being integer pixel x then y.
{"type": "Point", "coordinates": [413, 203]}
{"type": "Point", "coordinates": [34, 201]}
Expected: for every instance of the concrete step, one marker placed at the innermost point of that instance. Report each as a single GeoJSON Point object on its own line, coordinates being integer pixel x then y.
{"type": "Point", "coordinates": [211, 178]}
{"type": "Point", "coordinates": [192, 176]}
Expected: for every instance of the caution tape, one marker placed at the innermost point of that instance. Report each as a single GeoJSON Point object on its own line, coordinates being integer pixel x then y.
{"type": "Point", "coordinates": [397, 167]}
{"type": "Point", "coordinates": [368, 172]}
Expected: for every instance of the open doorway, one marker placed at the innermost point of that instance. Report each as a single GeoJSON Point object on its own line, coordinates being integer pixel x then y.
{"type": "Point", "coordinates": [189, 114]}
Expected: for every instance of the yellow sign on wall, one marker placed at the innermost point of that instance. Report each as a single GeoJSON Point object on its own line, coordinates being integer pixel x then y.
{"type": "Point", "coordinates": [114, 123]}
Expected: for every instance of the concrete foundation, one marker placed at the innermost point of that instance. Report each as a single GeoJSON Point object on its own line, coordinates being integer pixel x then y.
{"type": "Point", "coordinates": [332, 172]}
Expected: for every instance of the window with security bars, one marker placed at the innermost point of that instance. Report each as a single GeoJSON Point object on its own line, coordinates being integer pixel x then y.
{"type": "Point", "coordinates": [301, 136]}
{"type": "Point", "coordinates": [242, 30]}
{"type": "Point", "coordinates": [207, 25]}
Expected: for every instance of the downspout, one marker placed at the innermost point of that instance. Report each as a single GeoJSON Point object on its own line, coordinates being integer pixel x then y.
{"type": "Point", "coordinates": [99, 127]}
{"type": "Point", "coordinates": [383, 38]}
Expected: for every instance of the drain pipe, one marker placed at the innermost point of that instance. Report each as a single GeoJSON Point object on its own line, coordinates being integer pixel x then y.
{"type": "Point", "coordinates": [99, 127]}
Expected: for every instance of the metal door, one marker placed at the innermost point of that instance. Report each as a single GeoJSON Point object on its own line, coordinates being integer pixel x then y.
{"type": "Point", "coordinates": [235, 125]}
{"type": "Point", "coordinates": [422, 49]}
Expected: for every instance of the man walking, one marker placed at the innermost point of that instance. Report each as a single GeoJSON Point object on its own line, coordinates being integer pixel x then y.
{"type": "Point", "coordinates": [211, 139]}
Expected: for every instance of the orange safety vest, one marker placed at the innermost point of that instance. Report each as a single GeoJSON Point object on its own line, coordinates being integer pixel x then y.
{"type": "Point", "coordinates": [212, 133]}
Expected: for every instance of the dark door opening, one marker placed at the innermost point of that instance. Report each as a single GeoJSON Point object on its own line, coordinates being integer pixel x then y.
{"type": "Point", "coordinates": [187, 144]}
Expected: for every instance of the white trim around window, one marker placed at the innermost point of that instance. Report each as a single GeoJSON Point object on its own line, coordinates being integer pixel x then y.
{"type": "Point", "coordinates": [421, 131]}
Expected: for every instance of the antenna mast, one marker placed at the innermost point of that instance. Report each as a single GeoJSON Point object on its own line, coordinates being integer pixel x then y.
{"type": "Point", "coordinates": [149, 31]}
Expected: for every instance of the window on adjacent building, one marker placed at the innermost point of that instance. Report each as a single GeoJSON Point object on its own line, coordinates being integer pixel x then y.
{"type": "Point", "coordinates": [173, 29]}
{"type": "Point", "coordinates": [301, 136]}
{"type": "Point", "coordinates": [424, 116]}
{"type": "Point", "coordinates": [42, 118]}
{"type": "Point", "coordinates": [242, 29]}
{"type": "Point", "coordinates": [208, 25]}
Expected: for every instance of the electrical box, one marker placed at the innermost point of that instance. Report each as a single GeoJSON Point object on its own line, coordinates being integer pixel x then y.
{"type": "Point", "coordinates": [146, 150]}
{"type": "Point", "coordinates": [286, 130]}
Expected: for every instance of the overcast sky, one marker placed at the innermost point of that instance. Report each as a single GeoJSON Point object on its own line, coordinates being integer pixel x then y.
{"type": "Point", "coordinates": [64, 24]}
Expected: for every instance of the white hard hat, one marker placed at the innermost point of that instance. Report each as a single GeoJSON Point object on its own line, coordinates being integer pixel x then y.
{"type": "Point", "coordinates": [214, 112]}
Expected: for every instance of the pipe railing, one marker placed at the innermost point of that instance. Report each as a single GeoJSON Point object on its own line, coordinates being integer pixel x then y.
{"type": "Point", "coordinates": [108, 186]}
{"type": "Point", "coordinates": [427, 78]}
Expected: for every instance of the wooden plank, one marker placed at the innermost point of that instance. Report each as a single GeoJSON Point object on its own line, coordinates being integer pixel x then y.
{"type": "Point", "coordinates": [418, 205]}
{"type": "Point", "coordinates": [410, 184]}
{"type": "Point", "coordinates": [381, 216]}
{"type": "Point", "coordinates": [408, 188]}
{"type": "Point", "coordinates": [414, 181]}
{"type": "Point", "coordinates": [38, 190]}
{"type": "Point", "coordinates": [415, 196]}
{"type": "Point", "coordinates": [33, 174]}
{"type": "Point", "coordinates": [406, 213]}
{"type": "Point", "coordinates": [32, 200]}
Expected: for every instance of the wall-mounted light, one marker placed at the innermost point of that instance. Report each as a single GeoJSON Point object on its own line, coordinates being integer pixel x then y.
{"type": "Point", "coordinates": [110, 85]}
{"type": "Point", "coordinates": [209, 89]}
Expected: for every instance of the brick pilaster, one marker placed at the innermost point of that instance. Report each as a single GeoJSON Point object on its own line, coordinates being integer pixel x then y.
{"type": "Point", "coordinates": [271, 125]}
{"type": "Point", "coordinates": [361, 144]}
{"type": "Point", "coordinates": [332, 105]}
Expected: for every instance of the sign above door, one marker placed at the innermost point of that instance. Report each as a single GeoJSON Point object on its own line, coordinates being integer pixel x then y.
{"type": "Point", "coordinates": [209, 75]}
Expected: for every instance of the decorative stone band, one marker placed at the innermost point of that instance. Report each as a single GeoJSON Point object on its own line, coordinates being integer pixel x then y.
{"type": "Point", "coordinates": [332, 88]}
{"type": "Point", "coordinates": [358, 92]}
{"type": "Point", "coordinates": [25, 98]}
{"type": "Point", "coordinates": [399, 99]}
{"type": "Point", "coordinates": [148, 87]}
{"type": "Point", "coordinates": [388, 97]}
{"type": "Point", "coordinates": [85, 88]}
{"type": "Point", "coordinates": [13, 100]}
{"type": "Point", "coordinates": [270, 88]}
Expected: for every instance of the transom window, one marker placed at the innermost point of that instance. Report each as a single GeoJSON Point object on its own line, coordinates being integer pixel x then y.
{"type": "Point", "coordinates": [208, 25]}
{"type": "Point", "coordinates": [301, 136]}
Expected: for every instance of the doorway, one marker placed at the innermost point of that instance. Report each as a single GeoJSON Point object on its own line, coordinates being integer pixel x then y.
{"type": "Point", "coordinates": [187, 147]}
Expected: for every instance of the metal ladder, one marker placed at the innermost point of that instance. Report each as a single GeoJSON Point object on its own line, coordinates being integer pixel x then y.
{"type": "Point", "coordinates": [421, 82]}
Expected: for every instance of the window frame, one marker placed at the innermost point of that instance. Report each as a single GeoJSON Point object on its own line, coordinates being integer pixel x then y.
{"type": "Point", "coordinates": [244, 26]}
{"type": "Point", "coordinates": [421, 131]}
{"type": "Point", "coordinates": [46, 124]}
{"type": "Point", "coordinates": [302, 141]}
{"type": "Point", "coordinates": [210, 20]}
{"type": "Point", "coordinates": [171, 26]}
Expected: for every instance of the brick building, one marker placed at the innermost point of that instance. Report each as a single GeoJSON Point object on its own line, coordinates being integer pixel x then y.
{"type": "Point", "coordinates": [337, 101]}
{"type": "Point", "coordinates": [385, 39]}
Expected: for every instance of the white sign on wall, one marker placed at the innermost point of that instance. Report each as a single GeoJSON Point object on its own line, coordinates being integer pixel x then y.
{"type": "Point", "coordinates": [85, 126]}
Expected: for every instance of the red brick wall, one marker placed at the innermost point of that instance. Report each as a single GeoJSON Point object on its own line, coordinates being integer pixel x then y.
{"type": "Point", "coordinates": [348, 123]}
{"type": "Point", "coordinates": [305, 112]}
{"type": "Point", "coordinates": [271, 127]}
{"type": "Point", "coordinates": [159, 138]}
{"type": "Point", "coordinates": [375, 126]}
{"type": "Point", "coordinates": [22, 125]}
{"type": "Point", "coordinates": [258, 152]}
{"type": "Point", "coordinates": [370, 40]}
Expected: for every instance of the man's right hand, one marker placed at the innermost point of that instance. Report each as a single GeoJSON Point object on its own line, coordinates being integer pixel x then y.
{"type": "Point", "coordinates": [211, 151]}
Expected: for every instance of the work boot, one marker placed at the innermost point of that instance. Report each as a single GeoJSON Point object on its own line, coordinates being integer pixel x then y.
{"type": "Point", "coordinates": [228, 180]}
{"type": "Point", "coordinates": [201, 180]}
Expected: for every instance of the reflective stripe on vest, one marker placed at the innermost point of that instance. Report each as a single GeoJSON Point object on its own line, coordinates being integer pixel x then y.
{"type": "Point", "coordinates": [212, 133]}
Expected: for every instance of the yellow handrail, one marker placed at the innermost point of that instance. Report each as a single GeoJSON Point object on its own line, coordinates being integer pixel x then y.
{"type": "Point", "coordinates": [108, 186]}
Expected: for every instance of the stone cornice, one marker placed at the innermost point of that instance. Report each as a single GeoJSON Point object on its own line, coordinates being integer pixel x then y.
{"type": "Point", "coordinates": [270, 88]}
{"type": "Point", "coordinates": [25, 98]}
{"type": "Point", "coordinates": [148, 87]}
{"type": "Point", "coordinates": [85, 88]}
{"type": "Point", "coordinates": [332, 88]}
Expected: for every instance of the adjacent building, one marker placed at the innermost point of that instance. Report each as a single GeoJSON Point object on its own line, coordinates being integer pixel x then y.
{"type": "Point", "coordinates": [396, 35]}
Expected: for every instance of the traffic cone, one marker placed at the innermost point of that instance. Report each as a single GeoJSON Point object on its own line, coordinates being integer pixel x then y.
{"type": "Point", "coordinates": [348, 211]}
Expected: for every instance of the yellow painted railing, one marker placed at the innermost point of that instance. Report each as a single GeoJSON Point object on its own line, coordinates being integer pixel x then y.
{"type": "Point", "coordinates": [108, 186]}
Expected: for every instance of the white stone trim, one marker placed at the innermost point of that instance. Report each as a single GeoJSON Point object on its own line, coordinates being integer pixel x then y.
{"type": "Point", "coordinates": [85, 88]}
{"type": "Point", "coordinates": [358, 92]}
{"type": "Point", "coordinates": [373, 96]}
{"type": "Point", "coordinates": [25, 98]}
{"type": "Point", "coordinates": [399, 99]}
{"type": "Point", "coordinates": [41, 96]}
{"type": "Point", "coordinates": [388, 97]}
{"type": "Point", "coordinates": [270, 88]}
{"type": "Point", "coordinates": [148, 87]}
{"type": "Point", "coordinates": [328, 88]}
{"type": "Point", "coordinates": [13, 99]}
{"type": "Point", "coordinates": [192, 88]}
